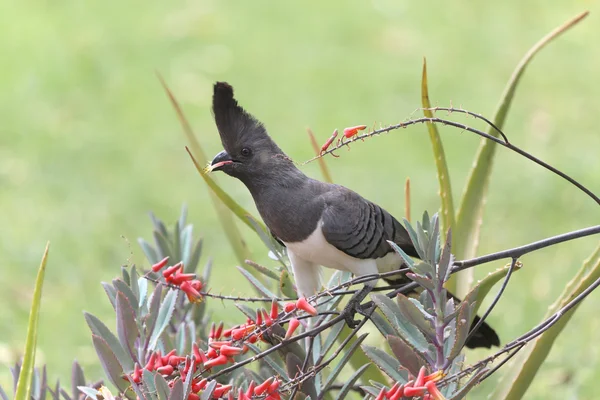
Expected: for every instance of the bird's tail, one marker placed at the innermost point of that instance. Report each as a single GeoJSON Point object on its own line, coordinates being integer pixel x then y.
{"type": "Point", "coordinates": [484, 336]}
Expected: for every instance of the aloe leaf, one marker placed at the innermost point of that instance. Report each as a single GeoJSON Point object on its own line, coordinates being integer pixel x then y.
{"type": "Point", "coordinates": [321, 161]}
{"type": "Point", "coordinates": [462, 392]}
{"type": "Point", "coordinates": [293, 364]}
{"type": "Point", "coordinates": [127, 329]}
{"type": "Point", "coordinates": [269, 241]}
{"type": "Point", "coordinates": [99, 329]}
{"type": "Point", "coordinates": [88, 391]}
{"type": "Point", "coordinates": [278, 369]}
{"type": "Point", "coordinates": [286, 285]}
{"type": "Point", "coordinates": [195, 259]}
{"type": "Point", "coordinates": [23, 390]}
{"type": "Point", "coordinates": [463, 323]}
{"type": "Point", "coordinates": [470, 212]}
{"type": "Point", "coordinates": [221, 201]}
{"type": "Point", "coordinates": [206, 393]}
{"type": "Point", "coordinates": [164, 316]}
{"type": "Point", "coordinates": [415, 316]}
{"type": "Point", "coordinates": [177, 390]}
{"type": "Point", "coordinates": [405, 257]}
{"type": "Point", "coordinates": [126, 290]}
{"type": "Point", "coordinates": [269, 273]}
{"type": "Point", "coordinates": [485, 285]}
{"type": "Point", "coordinates": [262, 289]}
{"type": "Point", "coordinates": [162, 387]}
{"type": "Point", "coordinates": [333, 333]}
{"type": "Point", "coordinates": [359, 358]}
{"type": "Point", "coordinates": [382, 324]}
{"type": "Point", "coordinates": [388, 364]}
{"type": "Point", "coordinates": [343, 362]}
{"type": "Point", "coordinates": [112, 367]}
{"type": "Point", "coordinates": [111, 292]}
{"type": "Point", "coordinates": [526, 364]}
{"type": "Point", "coordinates": [351, 381]}
{"type": "Point", "coordinates": [439, 156]}
{"type": "Point", "coordinates": [153, 309]}
{"type": "Point", "coordinates": [77, 377]}
{"type": "Point", "coordinates": [149, 251]}
{"type": "Point", "coordinates": [149, 386]}
{"type": "Point", "coordinates": [403, 328]}
{"type": "Point", "coordinates": [408, 357]}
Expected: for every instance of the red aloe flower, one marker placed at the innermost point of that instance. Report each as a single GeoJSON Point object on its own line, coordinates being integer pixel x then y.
{"type": "Point", "coordinates": [159, 265]}
{"type": "Point", "coordinates": [293, 325]}
{"type": "Point", "coordinates": [274, 310]}
{"type": "Point", "coordinates": [220, 360]}
{"type": "Point", "coordinates": [289, 307]}
{"type": "Point", "coordinates": [304, 305]}
{"type": "Point", "coordinates": [434, 391]}
{"type": "Point", "coordinates": [263, 387]}
{"type": "Point", "coordinates": [349, 132]}
{"type": "Point", "coordinates": [192, 294]}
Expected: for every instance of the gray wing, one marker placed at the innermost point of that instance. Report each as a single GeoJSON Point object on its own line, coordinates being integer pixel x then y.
{"type": "Point", "coordinates": [361, 228]}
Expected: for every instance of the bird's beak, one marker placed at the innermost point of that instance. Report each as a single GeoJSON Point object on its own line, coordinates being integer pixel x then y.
{"type": "Point", "coordinates": [219, 162]}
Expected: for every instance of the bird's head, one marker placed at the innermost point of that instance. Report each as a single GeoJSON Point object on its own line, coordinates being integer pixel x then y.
{"type": "Point", "coordinates": [249, 151]}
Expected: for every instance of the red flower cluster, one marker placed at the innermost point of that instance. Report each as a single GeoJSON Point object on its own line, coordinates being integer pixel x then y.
{"type": "Point", "coordinates": [423, 386]}
{"type": "Point", "coordinates": [223, 345]}
{"type": "Point", "coordinates": [175, 276]}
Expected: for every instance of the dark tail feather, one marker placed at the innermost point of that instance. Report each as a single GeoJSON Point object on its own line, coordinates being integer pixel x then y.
{"type": "Point", "coordinates": [485, 336]}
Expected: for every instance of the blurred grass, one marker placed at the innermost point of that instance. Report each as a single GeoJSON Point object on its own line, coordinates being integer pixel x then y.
{"type": "Point", "coordinates": [89, 143]}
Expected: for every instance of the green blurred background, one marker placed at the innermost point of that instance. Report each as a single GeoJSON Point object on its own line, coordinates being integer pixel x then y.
{"type": "Point", "coordinates": [89, 142]}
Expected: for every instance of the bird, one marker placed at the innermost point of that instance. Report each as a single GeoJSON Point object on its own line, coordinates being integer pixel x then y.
{"type": "Point", "coordinates": [319, 223]}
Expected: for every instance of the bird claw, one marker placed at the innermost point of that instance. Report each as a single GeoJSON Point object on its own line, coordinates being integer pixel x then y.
{"type": "Point", "coordinates": [351, 309]}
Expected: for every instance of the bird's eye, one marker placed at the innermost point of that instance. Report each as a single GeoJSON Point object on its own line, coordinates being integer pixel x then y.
{"type": "Point", "coordinates": [246, 152]}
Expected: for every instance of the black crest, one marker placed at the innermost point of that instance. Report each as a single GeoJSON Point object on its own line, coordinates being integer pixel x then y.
{"type": "Point", "coordinates": [236, 126]}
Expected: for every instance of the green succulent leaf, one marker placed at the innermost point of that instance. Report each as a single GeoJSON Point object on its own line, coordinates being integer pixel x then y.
{"type": "Point", "coordinates": [124, 288]}
{"type": "Point", "coordinates": [470, 384]}
{"type": "Point", "coordinates": [23, 387]}
{"type": "Point", "coordinates": [127, 329]}
{"type": "Point", "coordinates": [258, 285]}
{"type": "Point", "coordinates": [164, 316]}
{"type": "Point", "coordinates": [149, 251]}
{"type": "Point", "coordinates": [286, 285]}
{"type": "Point", "coordinates": [162, 387]}
{"type": "Point", "coordinates": [415, 316]}
{"type": "Point", "coordinates": [177, 390]}
{"type": "Point", "coordinates": [269, 273]}
{"type": "Point", "coordinates": [388, 364]}
{"type": "Point", "coordinates": [351, 381]}
{"type": "Point", "coordinates": [111, 365]}
{"type": "Point", "coordinates": [397, 319]}
{"type": "Point", "coordinates": [343, 361]}
{"type": "Point", "coordinates": [407, 356]}
{"type": "Point", "coordinates": [526, 364]}
{"type": "Point", "coordinates": [99, 329]}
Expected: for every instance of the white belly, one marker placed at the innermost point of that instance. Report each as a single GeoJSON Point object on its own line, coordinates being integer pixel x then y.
{"type": "Point", "coordinates": [315, 249]}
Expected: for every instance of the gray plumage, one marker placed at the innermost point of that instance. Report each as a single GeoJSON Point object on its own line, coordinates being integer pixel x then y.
{"type": "Point", "coordinates": [319, 223]}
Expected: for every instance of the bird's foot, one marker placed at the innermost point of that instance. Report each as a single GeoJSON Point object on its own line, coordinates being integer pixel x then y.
{"type": "Point", "coordinates": [351, 309]}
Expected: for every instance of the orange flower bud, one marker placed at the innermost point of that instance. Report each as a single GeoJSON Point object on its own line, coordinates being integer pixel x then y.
{"type": "Point", "coordinates": [260, 389]}
{"type": "Point", "coordinates": [274, 310]}
{"type": "Point", "coordinates": [220, 360]}
{"type": "Point", "coordinates": [230, 350]}
{"type": "Point", "coordinates": [159, 265]}
{"type": "Point", "coordinates": [349, 132]}
{"type": "Point", "coordinates": [304, 305]}
{"type": "Point", "coordinates": [166, 370]}
{"type": "Point", "coordinates": [293, 325]}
